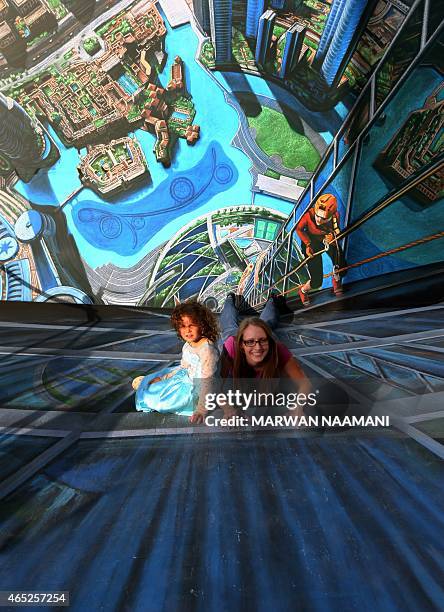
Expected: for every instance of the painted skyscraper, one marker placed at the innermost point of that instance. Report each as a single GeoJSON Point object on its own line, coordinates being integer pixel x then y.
{"type": "Point", "coordinates": [255, 9]}
{"type": "Point", "coordinates": [292, 49]}
{"type": "Point", "coordinates": [36, 228]}
{"type": "Point", "coordinates": [278, 4]}
{"type": "Point", "coordinates": [221, 16]}
{"type": "Point", "coordinates": [264, 34]}
{"type": "Point", "coordinates": [54, 262]}
{"type": "Point", "coordinates": [345, 23]}
{"type": "Point", "coordinates": [201, 10]}
{"type": "Point", "coordinates": [329, 29]}
{"type": "Point", "coordinates": [21, 141]}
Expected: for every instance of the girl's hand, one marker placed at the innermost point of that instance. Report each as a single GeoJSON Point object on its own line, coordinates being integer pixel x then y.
{"type": "Point", "coordinates": [136, 382]}
{"type": "Point", "coordinates": [198, 416]}
{"type": "Point", "coordinates": [155, 380]}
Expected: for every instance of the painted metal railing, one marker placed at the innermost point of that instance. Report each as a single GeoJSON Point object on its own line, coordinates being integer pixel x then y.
{"type": "Point", "coordinates": [283, 259]}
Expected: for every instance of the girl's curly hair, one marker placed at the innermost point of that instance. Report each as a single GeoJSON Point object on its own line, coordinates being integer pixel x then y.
{"type": "Point", "coordinates": [200, 314]}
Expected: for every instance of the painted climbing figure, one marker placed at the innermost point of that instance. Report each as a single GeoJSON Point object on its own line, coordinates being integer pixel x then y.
{"type": "Point", "coordinates": [318, 230]}
{"type": "Point", "coordinates": [181, 390]}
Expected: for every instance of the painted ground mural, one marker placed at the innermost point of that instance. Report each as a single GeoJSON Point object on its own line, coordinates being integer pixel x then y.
{"type": "Point", "coordinates": [155, 151]}
{"type": "Point", "coordinates": [152, 151]}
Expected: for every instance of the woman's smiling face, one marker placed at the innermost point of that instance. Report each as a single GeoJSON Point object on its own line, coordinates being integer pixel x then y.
{"type": "Point", "coordinates": [255, 344]}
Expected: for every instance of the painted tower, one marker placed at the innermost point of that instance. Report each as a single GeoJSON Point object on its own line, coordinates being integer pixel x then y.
{"type": "Point", "coordinates": [221, 16]}
{"type": "Point", "coordinates": [21, 141]}
{"type": "Point", "coordinates": [264, 35]}
{"type": "Point", "coordinates": [36, 228]}
{"type": "Point", "coordinates": [4, 9]}
{"type": "Point", "coordinates": [255, 9]}
{"type": "Point", "coordinates": [24, 7]}
{"type": "Point", "coordinates": [58, 264]}
{"type": "Point", "coordinates": [201, 11]}
{"type": "Point", "coordinates": [292, 49]}
{"type": "Point", "coordinates": [329, 29]}
{"type": "Point", "coordinates": [347, 21]}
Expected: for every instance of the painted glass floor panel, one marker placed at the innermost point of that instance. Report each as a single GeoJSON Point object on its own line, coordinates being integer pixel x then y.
{"type": "Point", "coordinates": [17, 451]}
{"type": "Point", "coordinates": [433, 428]}
{"type": "Point", "coordinates": [206, 523]}
{"type": "Point", "coordinates": [85, 338]}
{"type": "Point", "coordinates": [366, 384]}
{"type": "Point", "coordinates": [314, 336]}
{"type": "Point", "coordinates": [438, 342]}
{"type": "Point", "coordinates": [155, 343]}
{"type": "Point", "coordinates": [411, 358]}
{"type": "Point", "coordinates": [77, 339]}
{"type": "Point", "coordinates": [395, 325]}
{"type": "Point", "coordinates": [60, 383]}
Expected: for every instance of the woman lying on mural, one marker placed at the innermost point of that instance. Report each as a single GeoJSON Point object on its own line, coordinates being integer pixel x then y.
{"type": "Point", "coordinates": [253, 358]}
{"type": "Point", "coordinates": [318, 229]}
{"type": "Point", "coordinates": [250, 351]}
{"type": "Point", "coordinates": [182, 390]}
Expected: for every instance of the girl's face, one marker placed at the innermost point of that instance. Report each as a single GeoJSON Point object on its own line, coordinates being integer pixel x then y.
{"type": "Point", "coordinates": [255, 345]}
{"type": "Point", "coordinates": [189, 330]}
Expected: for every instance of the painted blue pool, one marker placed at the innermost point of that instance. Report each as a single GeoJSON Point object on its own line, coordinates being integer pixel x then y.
{"type": "Point", "coordinates": [243, 243]}
{"type": "Point", "coordinates": [179, 115]}
{"type": "Point", "coordinates": [152, 202]}
{"type": "Point", "coordinates": [128, 84]}
{"type": "Point", "coordinates": [127, 228]}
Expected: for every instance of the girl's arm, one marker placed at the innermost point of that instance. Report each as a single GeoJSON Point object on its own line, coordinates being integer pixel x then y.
{"type": "Point", "coordinates": [209, 359]}
{"type": "Point", "coordinates": [136, 382]}
{"type": "Point", "coordinates": [166, 376]}
{"type": "Point", "coordinates": [183, 364]}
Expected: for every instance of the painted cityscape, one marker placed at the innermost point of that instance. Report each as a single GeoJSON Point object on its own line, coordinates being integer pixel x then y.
{"type": "Point", "coordinates": [151, 151]}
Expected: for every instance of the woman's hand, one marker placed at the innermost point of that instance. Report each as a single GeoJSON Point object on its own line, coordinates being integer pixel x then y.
{"type": "Point", "coordinates": [229, 411]}
{"type": "Point", "coordinates": [136, 382]}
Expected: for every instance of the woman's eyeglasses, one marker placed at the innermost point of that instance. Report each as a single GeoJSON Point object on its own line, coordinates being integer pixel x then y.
{"type": "Point", "coordinates": [261, 342]}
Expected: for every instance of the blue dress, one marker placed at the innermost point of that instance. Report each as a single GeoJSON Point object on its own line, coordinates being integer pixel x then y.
{"type": "Point", "coordinates": [179, 394]}
{"type": "Point", "coordinates": [174, 394]}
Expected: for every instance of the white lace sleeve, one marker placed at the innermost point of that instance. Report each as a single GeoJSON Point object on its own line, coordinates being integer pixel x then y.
{"type": "Point", "coordinates": [208, 369]}
{"type": "Point", "coordinates": [184, 363]}
{"type": "Point", "coordinates": [209, 360]}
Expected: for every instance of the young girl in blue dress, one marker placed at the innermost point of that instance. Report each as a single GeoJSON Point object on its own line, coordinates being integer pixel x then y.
{"type": "Point", "coordinates": [182, 389]}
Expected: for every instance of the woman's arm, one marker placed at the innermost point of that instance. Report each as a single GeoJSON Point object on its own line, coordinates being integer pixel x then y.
{"type": "Point", "coordinates": [294, 371]}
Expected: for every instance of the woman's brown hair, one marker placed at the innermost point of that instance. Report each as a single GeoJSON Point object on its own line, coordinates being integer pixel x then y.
{"type": "Point", "coordinates": [200, 314]}
{"type": "Point", "coordinates": [270, 368]}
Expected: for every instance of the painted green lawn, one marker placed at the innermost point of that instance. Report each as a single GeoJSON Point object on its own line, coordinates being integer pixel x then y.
{"type": "Point", "coordinates": [275, 136]}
